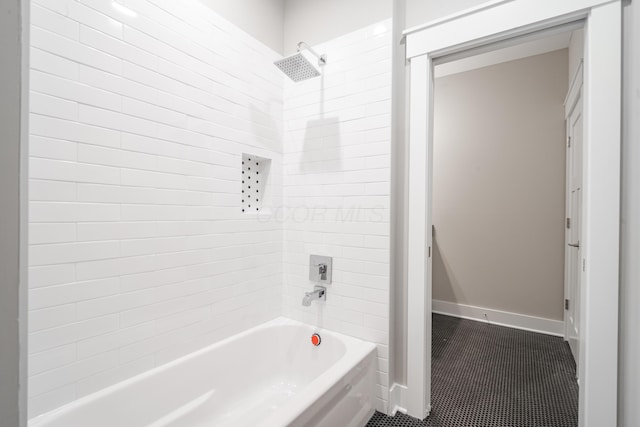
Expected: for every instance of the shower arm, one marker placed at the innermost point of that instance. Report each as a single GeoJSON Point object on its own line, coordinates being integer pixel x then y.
{"type": "Point", "coordinates": [322, 59]}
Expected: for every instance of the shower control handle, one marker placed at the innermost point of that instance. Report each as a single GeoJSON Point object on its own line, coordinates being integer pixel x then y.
{"type": "Point", "coordinates": [320, 269]}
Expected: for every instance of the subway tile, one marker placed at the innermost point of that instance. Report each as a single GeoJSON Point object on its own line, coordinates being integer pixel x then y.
{"type": "Point", "coordinates": [148, 77]}
{"type": "Point", "coordinates": [79, 132]}
{"type": "Point", "coordinates": [99, 79]}
{"type": "Point", "coordinates": [110, 268]}
{"type": "Point", "coordinates": [107, 9]}
{"type": "Point", "coordinates": [139, 247]}
{"type": "Point", "coordinates": [44, 61]}
{"type": "Point", "coordinates": [99, 193]}
{"type": "Point", "coordinates": [96, 231]}
{"type": "Point", "coordinates": [116, 121]}
{"type": "Point", "coordinates": [50, 148]}
{"type": "Point", "coordinates": [117, 48]}
{"type": "Point", "coordinates": [49, 401]}
{"type": "Point", "coordinates": [46, 211]}
{"type": "Point", "coordinates": [338, 170]}
{"type": "Point", "coordinates": [74, 51]}
{"type": "Point", "coordinates": [50, 338]}
{"type": "Point", "coordinates": [51, 317]}
{"type": "Point", "coordinates": [53, 106]}
{"type": "Point", "coordinates": [51, 296]}
{"type": "Point", "coordinates": [50, 275]}
{"type": "Point", "coordinates": [51, 380]}
{"type": "Point", "coordinates": [166, 340]}
{"type": "Point", "coordinates": [154, 146]}
{"type": "Point", "coordinates": [97, 174]}
{"type": "Point", "coordinates": [112, 304]}
{"type": "Point", "coordinates": [152, 112]}
{"type": "Point", "coordinates": [123, 371]}
{"type": "Point", "coordinates": [94, 19]}
{"type": "Point", "coordinates": [364, 279]}
{"type": "Point", "coordinates": [49, 169]}
{"type": "Point", "coordinates": [376, 322]}
{"type": "Point", "coordinates": [51, 359]}
{"type": "Point", "coordinates": [59, 6]}
{"type": "Point", "coordinates": [367, 254]}
{"type": "Point", "coordinates": [190, 317]}
{"type": "Point", "coordinates": [54, 22]}
{"type": "Point", "coordinates": [64, 253]}
{"type": "Point", "coordinates": [137, 131]}
{"type": "Point", "coordinates": [47, 233]}
{"type": "Point", "coordinates": [100, 344]}
{"type": "Point", "coordinates": [115, 157]}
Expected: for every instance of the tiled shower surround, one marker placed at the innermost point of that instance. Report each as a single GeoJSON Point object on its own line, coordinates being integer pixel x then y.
{"type": "Point", "coordinates": [139, 249]}
{"type": "Point", "coordinates": [337, 181]}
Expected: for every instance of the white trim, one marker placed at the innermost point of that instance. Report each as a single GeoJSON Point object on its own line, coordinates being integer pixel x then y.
{"type": "Point", "coordinates": [397, 399]}
{"type": "Point", "coordinates": [575, 91]}
{"type": "Point", "coordinates": [601, 219]}
{"type": "Point", "coordinates": [419, 289]}
{"type": "Point", "coordinates": [500, 318]}
{"type": "Point", "coordinates": [493, 22]}
{"type": "Point", "coordinates": [517, 43]}
{"type": "Point", "coordinates": [451, 17]}
{"type": "Point", "coordinates": [526, 49]}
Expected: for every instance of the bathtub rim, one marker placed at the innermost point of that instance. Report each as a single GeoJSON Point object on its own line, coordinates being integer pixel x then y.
{"type": "Point", "coordinates": [324, 383]}
{"type": "Point", "coordinates": [357, 351]}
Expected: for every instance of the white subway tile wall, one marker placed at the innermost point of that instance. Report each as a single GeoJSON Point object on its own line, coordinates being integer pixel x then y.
{"type": "Point", "coordinates": [337, 182]}
{"type": "Point", "coordinates": [139, 251]}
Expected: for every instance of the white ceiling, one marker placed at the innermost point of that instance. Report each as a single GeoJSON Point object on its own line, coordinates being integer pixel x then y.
{"type": "Point", "coordinates": [511, 53]}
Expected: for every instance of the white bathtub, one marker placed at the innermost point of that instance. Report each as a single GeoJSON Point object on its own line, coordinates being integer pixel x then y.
{"type": "Point", "coordinates": [268, 376]}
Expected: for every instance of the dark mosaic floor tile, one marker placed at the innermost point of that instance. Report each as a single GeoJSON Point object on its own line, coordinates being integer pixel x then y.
{"type": "Point", "coordinates": [491, 376]}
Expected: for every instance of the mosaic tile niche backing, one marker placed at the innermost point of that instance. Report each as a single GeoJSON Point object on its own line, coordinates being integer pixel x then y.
{"type": "Point", "coordinates": [255, 173]}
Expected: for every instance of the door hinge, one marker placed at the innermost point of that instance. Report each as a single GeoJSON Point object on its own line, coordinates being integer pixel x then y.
{"type": "Point", "coordinates": [569, 142]}
{"type": "Point", "coordinates": [566, 304]}
{"type": "Point", "coordinates": [568, 222]}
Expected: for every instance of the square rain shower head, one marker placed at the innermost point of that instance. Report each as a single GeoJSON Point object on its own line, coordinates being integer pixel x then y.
{"type": "Point", "coordinates": [297, 67]}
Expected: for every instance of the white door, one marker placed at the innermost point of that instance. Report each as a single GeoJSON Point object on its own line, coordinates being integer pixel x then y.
{"type": "Point", "coordinates": [574, 229]}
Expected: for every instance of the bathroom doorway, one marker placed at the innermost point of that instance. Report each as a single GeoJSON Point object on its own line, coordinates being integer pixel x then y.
{"type": "Point", "coordinates": [498, 205]}
{"type": "Point", "coordinates": [508, 22]}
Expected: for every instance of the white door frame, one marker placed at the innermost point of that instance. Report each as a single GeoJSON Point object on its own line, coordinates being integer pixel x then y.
{"type": "Point", "coordinates": [496, 21]}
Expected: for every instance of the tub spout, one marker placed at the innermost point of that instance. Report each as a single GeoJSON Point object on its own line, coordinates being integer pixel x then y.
{"type": "Point", "coordinates": [319, 293]}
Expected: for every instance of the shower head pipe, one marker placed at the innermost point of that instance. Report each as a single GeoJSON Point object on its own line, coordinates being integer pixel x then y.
{"type": "Point", "coordinates": [322, 59]}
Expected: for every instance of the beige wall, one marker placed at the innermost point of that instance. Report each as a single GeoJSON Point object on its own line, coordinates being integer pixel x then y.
{"type": "Point", "coordinates": [499, 174]}
{"type": "Point", "coordinates": [263, 19]}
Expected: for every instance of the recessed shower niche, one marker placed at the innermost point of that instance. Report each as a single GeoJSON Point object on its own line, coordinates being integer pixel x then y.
{"type": "Point", "coordinates": [255, 175]}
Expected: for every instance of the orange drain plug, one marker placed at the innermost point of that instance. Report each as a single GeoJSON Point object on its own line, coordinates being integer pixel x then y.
{"type": "Point", "coordinates": [315, 339]}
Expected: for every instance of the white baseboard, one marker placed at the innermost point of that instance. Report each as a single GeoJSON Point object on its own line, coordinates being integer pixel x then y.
{"type": "Point", "coordinates": [502, 318]}
{"type": "Point", "coordinates": [397, 399]}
